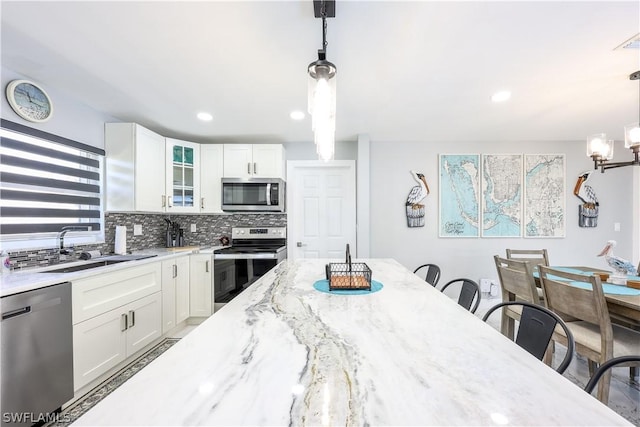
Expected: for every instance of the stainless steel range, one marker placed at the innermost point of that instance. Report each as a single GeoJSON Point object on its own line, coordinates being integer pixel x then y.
{"type": "Point", "coordinates": [253, 252]}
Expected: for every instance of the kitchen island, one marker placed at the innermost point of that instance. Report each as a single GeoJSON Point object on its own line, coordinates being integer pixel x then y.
{"type": "Point", "coordinates": [283, 353]}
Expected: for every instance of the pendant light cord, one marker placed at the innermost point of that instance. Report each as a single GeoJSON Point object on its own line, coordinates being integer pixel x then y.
{"type": "Point", "coordinates": [323, 12]}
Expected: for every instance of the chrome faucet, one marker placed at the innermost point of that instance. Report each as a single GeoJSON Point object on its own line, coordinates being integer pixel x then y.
{"type": "Point", "coordinates": [64, 231]}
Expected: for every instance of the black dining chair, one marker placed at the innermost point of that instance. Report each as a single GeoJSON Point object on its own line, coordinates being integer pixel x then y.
{"type": "Point", "coordinates": [535, 330]}
{"type": "Point", "coordinates": [469, 292]}
{"type": "Point", "coordinates": [431, 275]}
{"type": "Point", "coordinates": [611, 363]}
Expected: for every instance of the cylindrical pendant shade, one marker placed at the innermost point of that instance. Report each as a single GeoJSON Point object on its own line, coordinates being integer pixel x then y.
{"type": "Point", "coordinates": [322, 106]}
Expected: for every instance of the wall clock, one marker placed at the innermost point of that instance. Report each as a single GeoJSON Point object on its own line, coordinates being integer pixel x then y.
{"type": "Point", "coordinates": [29, 101]}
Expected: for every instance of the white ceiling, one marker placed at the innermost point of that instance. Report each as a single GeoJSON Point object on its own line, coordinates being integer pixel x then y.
{"type": "Point", "coordinates": [407, 71]}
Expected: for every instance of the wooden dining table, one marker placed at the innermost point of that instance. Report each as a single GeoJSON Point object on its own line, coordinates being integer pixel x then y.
{"type": "Point", "coordinates": [623, 309]}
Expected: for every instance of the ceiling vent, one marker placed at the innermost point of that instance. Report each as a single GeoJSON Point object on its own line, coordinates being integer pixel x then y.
{"type": "Point", "coordinates": [632, 43]}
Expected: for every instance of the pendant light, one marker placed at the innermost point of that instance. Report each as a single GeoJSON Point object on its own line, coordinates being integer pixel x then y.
{"type": "Point", "coordinates": [322, 89]}
{"type": "Point", "coordinates": [600, 149]}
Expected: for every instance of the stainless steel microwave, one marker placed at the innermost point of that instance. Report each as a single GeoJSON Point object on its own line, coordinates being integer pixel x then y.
{"type": "Point", "coordinates": [253, 194]}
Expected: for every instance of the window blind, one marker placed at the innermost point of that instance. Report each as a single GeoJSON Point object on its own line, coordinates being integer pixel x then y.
{"type": "Point", "coordinates": [47, 182]}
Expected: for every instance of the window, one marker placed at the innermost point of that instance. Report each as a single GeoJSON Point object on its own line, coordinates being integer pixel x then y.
{"type": "Point", "coordinates": [48, 182]}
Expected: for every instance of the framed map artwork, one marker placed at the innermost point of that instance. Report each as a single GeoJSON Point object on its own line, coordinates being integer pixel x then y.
{"type": "Point", "coordinates": [544, 195]}
{"type": "Point", "coordinates": [459, 195]}
{"type": "Point", "coordinates": [501, 195]}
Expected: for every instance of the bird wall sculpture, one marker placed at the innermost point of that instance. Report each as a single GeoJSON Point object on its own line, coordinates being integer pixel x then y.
{"type": "Point", "coordinates": [588, 210]}
{"type": "Point", "coordinates": [414, 209]}
{"type": "Point", "coordinates": [621, 266]}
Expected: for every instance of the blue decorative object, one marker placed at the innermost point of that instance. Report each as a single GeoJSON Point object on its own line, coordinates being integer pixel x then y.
{"type": "Point", "coordinates": [621, 266]}
{"type": "Point", "coordinates": [323, 286]}
{"type": "Point", "coordinates": [608, 288]}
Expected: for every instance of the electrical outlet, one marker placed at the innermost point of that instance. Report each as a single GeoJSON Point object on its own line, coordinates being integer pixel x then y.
{"type": "Point", "coordinates": [485, 285]}
{"type": "Point", "coordinates": [137, 229]}
{"type": "Point", "coordinates": [495, 289]}
{"type": "Point", "coordinates": [616, 226]}
{"type": "Point", "coordinates": [193, 228]}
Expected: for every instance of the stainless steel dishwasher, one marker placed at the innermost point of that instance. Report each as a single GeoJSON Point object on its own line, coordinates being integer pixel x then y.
{"type": "Point", "coordinates": [36, 355]}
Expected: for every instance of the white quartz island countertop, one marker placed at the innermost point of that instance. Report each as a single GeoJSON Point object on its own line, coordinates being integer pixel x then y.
{"type": "Point", "coordinates": [282, 353]}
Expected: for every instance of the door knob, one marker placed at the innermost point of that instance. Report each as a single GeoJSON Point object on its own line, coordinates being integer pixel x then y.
{"type": "Point", "coordinates": [300, 244]}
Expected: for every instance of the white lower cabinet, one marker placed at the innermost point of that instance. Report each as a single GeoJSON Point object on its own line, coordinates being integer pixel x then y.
{"type": "Point", "coordinates": [115, 314]}
{"type": "Point", "coordinates": [102, 342]}
{"type": "Point", "coordinates": [201, 284]}
{"type": "Point", "coordinates": [175, 292]}
{"type": "Point", "coordinates": [143, 322]}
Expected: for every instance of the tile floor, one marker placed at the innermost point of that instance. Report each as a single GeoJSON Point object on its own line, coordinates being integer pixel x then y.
{"type": "Point", "coordinates": [624, 395]}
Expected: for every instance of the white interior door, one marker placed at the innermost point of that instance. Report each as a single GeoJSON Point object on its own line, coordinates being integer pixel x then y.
{"type": "Point", "coordinates": [321, 206]}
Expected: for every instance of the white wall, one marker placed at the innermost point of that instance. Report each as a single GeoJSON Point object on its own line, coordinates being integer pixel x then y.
{"type": "Point", "coordinates": [71, 118]}
{"type": "Point", "coordinates": [391, 183]}
{"type": "Point", "coordinates": [307, 150]}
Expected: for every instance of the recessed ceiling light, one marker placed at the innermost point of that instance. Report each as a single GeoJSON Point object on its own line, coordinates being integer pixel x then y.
{"type": "Point", "coordinates": [296, 115]}
{"type": "Point", "coordinates": [501, 96]}
{"type": "Point", "coordinates": [205, 117]}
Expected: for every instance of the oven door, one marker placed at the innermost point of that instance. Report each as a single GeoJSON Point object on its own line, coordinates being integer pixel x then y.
{"type": "Point", "coordinates": [234, 272]}
{"type": "Point", "coordinates": [232, 276]}
{"type": "Point", "coordinates": [264, 194]}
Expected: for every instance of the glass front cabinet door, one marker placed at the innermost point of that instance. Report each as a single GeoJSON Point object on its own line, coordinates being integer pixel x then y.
{"type": "Point", "coordinates": [183, 176]}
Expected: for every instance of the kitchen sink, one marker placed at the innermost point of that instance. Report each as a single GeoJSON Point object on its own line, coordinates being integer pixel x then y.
{"type": "Point", "coordinates": [112, 259]}
{"type": "Point", "coordinates": [72, 268]}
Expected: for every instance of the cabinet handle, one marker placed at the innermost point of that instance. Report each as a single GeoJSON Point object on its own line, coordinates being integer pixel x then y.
{"type": "Point", "coordinates": [175, 271]}
{"type": "Point", "coordinates": [201, 202]}
{"type": "Point", "coordinates": [206, 266]}
{"type": "Point", "coordinates": [132, 319]}
{"type": "Point", "coordinates": [255, 169]}
{"type": "Point", "coordinates": [170, 201]}
{"type": "Point", "coordinates": [249, 168]}
{"type": "Point", "coordinates": [164, 201]}
{"type": "Point", "coordinates": [124, 322]}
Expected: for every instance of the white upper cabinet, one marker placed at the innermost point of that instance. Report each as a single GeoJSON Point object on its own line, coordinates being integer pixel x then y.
{"type": "Point", "coordinates": [211, 169]}
{"type": "Point", "coordinates": [147, 172]}
{"type": "Point", "coordinates": [182, 176]}
{"type": "Point", "coordinates": [254, 161]}
{"type": "Point", "coordinates": [237, 160]}
{"type": "Point", "coordinates": [135, 159]}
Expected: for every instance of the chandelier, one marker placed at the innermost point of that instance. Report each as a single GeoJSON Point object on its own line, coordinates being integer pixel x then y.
{"type": "Point", "coordinates": [600, 149]}
{"type": "Point", "coordinates": [322, 89]}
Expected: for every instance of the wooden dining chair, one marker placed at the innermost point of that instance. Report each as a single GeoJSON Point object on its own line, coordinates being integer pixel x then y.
{"type": "Point", "coordinates": [469, 292]}
{"type": "Point", "coordinates": [517, 284]}
{"type": "Point", "coordinates": [535, 329]}
{"type": "Point", "coordinates": [532, 256]}
{"type": "Point", "coordinates": [587, 316]}
{"type": "Point", "coordinates": [431, 273]}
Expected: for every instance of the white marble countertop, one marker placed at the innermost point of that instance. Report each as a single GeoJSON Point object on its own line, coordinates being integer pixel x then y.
{"type": "Point", "coordinates": [282, 353]}
{"type": "Point", "coordinates": [34, 278]}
